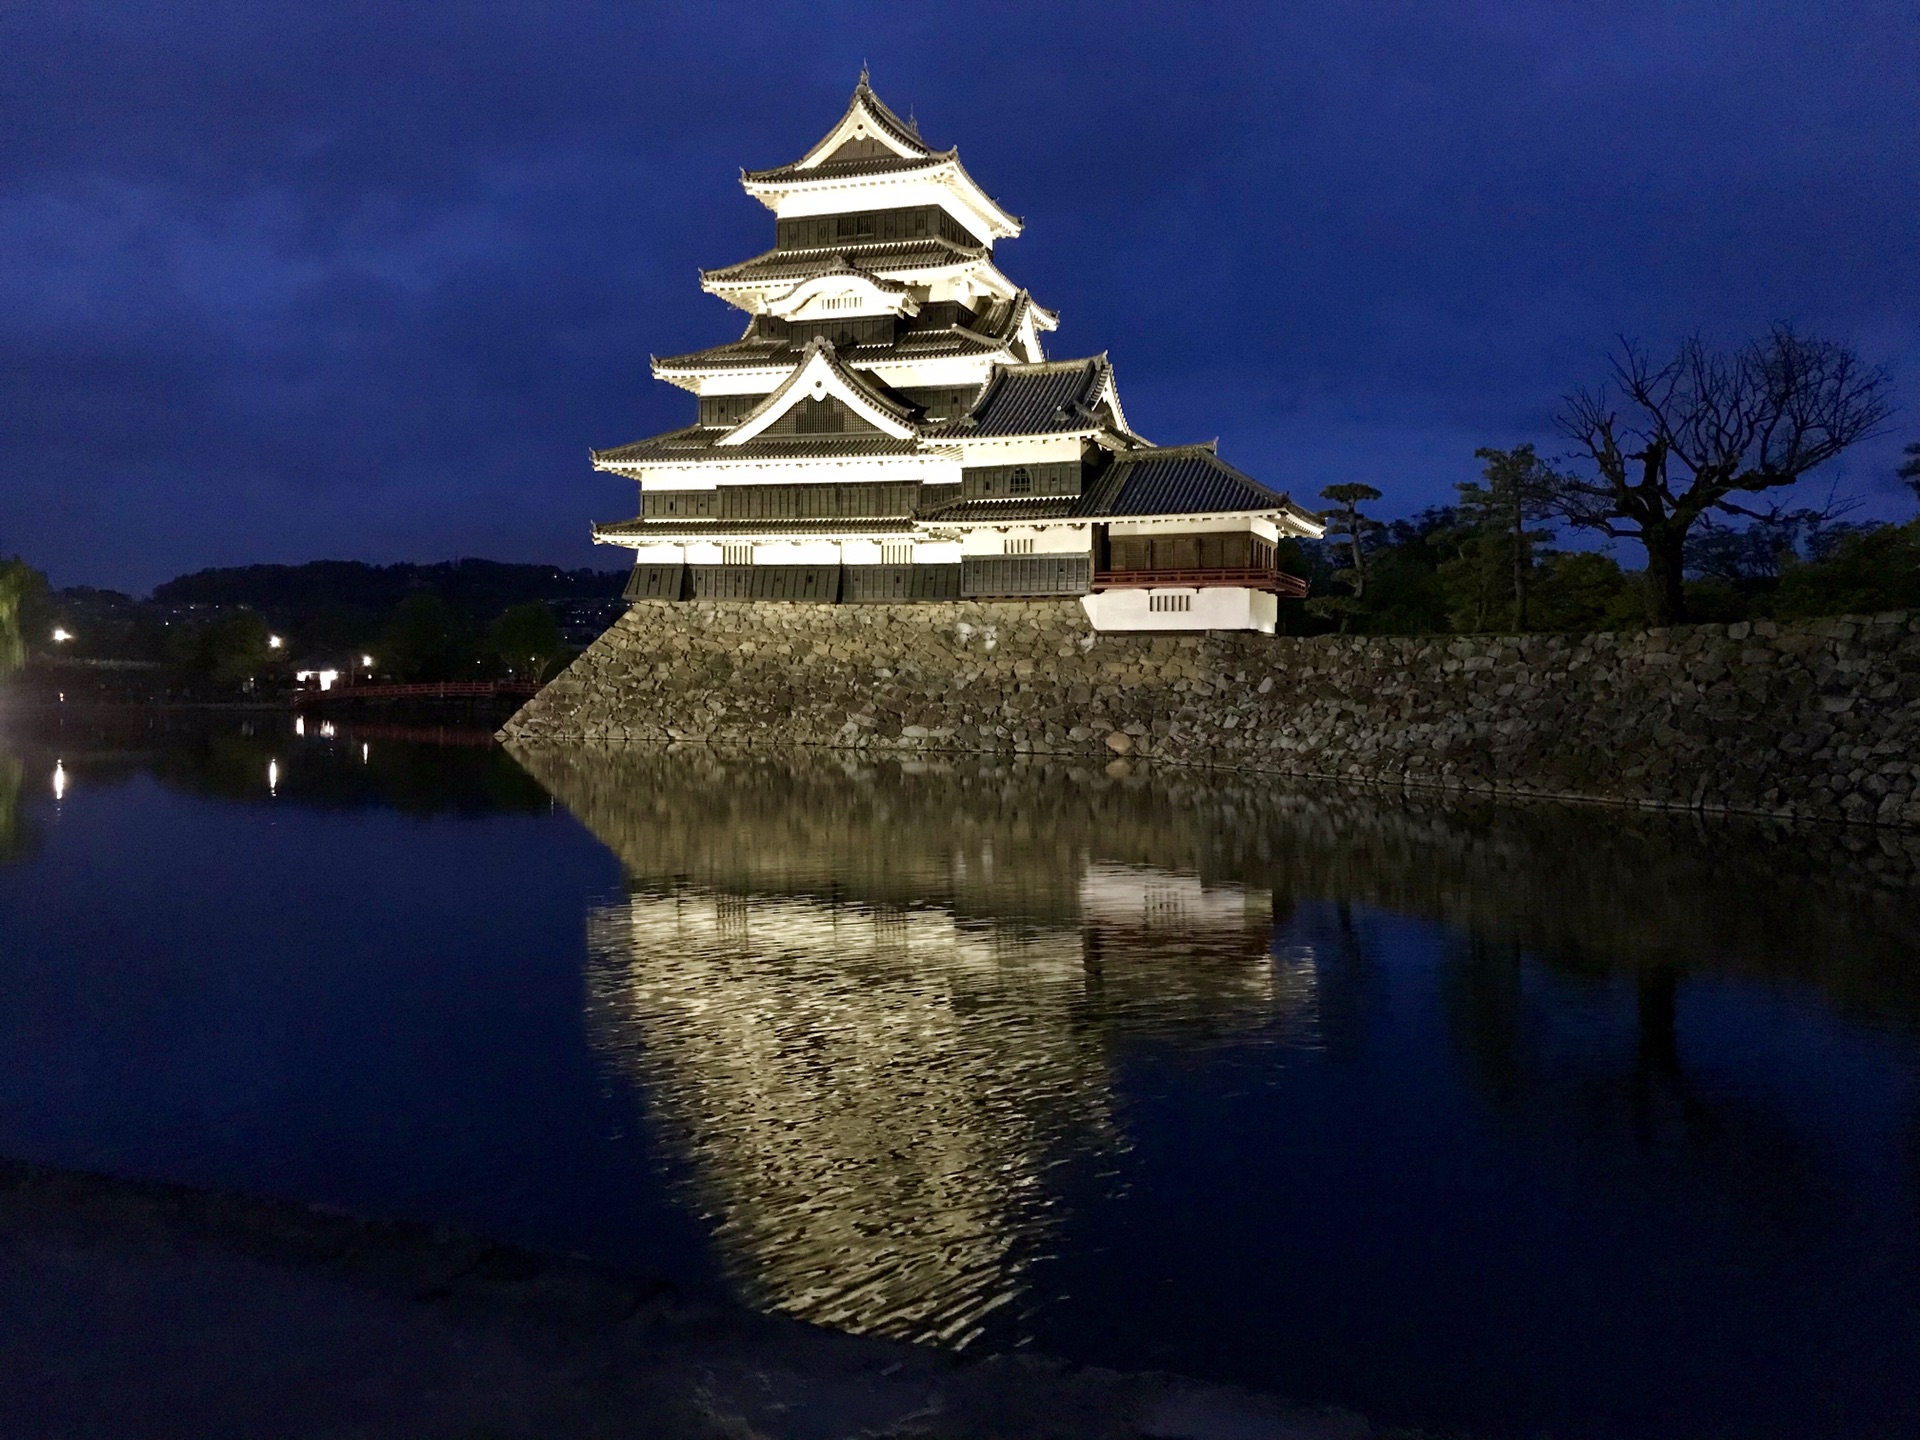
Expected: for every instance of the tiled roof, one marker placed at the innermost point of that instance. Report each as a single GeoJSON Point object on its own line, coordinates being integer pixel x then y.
{"type": "Point", "coordinates": [1053, 396]}
{"type": "Point", "coordinates": [858, 386]}
{"type": "Point", "coordinates": [1174, 480]}
{"type": "Point", "coordinates": [700, 442]}
{"type": "Point", "coordinates": [1186, 480]}
{"type": "Point", "coordinates": [669, 529]}
{"type": "Point", "coordinates": [882, 117]}
{"type": "Point", "coordinates": [850, 169]}
{"type": "Point", "coordinates": [755, 352]}
{"type": "Point", "coordinates": [986, 512]}
{"type": "Point", "coordinates": [932, 253]}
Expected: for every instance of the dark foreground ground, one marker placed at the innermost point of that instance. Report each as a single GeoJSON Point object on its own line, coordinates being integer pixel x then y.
{"type": "Point", "coordinates": [131, 1309]}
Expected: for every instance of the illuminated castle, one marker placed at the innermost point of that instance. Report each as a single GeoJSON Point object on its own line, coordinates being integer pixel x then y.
{"type": "Point", "coordinates": [888, 428]}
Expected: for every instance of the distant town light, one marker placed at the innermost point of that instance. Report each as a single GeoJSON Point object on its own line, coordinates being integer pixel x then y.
{"type": "Point", "coordinates": [299, 724]}
{"type": "Point", "coordinates": [274, 642]}
{"type": "Point", "coordinates": [365, 751]}
{"type": "Point", "coordinates": [61, 636]}
{"type": "Point", "coordinates": [367, 661]}
{"type": "Point", "coordinates": [273, 777]}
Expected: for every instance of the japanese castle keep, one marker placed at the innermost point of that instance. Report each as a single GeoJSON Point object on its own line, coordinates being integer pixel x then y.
{"type": "Point", "coordinates": [888, 427]}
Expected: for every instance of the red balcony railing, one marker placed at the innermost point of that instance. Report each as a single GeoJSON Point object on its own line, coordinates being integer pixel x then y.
{"type": "Point", "coordinates": [1291, 587]}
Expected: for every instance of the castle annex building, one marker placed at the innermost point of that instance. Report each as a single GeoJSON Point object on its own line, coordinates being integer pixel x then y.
{"type": "Point", "coordinates": [888, 427]}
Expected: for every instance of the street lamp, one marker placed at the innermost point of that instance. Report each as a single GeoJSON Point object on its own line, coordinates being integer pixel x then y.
{"type": "Point", "coordinates": [274, 642]}
{"type": "Point", "coordinates": [61, 636]}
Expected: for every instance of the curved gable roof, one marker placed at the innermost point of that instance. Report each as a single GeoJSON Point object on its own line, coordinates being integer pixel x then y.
{"type": "Point", "coordinates": [820, 369]}
{"type": "Point", "coordinates": [866, 112]}
{"type": "Point", "coordinates": [870, 141]}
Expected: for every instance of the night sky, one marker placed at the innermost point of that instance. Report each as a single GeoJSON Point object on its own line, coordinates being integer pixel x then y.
{"type": "Point", "coordinates": [368, 281]}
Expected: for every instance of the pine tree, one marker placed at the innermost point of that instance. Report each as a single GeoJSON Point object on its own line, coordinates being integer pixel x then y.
{"type": "Point", "coordinates": [1348, 526]}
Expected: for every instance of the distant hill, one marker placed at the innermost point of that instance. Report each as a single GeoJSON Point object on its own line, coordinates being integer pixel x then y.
{"type": "Point", "coordinates": [479, 588]}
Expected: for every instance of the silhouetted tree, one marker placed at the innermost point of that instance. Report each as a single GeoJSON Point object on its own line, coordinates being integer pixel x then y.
{"type": "Point", "coordinates": [424, 639]}
{"type": "Point", "coordinates": [1502, 518]}
{"type": "Point", "coordinates": [526, 638]}
{"type": "Point", "coordinates": [1348, 526]}
{"type": "Point", "coordinates": [1702, 428]}
{"type": "Point", "coordinates": [1909, 470]}
{"type": "Point", "coordinates": [19, 585]}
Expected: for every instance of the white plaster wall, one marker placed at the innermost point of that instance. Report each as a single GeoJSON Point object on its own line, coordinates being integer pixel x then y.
{"type": "Point", "coordinates": [1025, 450]}
{"type": "Point", "coordinates": [795, 552]}
{"type": "Point", "coordinates": [657, 554]}
{"type": "Point", "coordinates": [1197, 525]}
{"type": "Point", "coordinates": [1047, 539]}
{"type": "Point", "coordinates": [1222, 608]}
{"type": "Point", "coordinates": [953, 370]}
{"type": "Point", "coordinates": [931, 469]}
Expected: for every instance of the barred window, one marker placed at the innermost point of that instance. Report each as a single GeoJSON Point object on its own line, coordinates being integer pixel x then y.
{"type": "Point", "coordinates": [1017, 547]}
{"type": "Point", "coordinates": [896, 552]}
{"type": "Point", "coordinates": [819, 417]}
{"type": "Point", "coordinates": [1168, 603]}
{"type": "Point", "coordinates": [736, 554]}
{"type": "Point", "coordinates": [1020, 482]}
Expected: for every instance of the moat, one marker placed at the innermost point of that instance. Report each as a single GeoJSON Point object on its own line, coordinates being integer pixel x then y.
{"type": "Point", "coordinates": [1516, 1121]}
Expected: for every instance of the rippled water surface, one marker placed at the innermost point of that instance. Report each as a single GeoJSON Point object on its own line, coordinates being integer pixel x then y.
{"type": "Point", "coordinates": [1523, 1122]}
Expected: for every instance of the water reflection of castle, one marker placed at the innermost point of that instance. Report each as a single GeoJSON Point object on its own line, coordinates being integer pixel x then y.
{"type": "Point", "coordinates": [881, 1010]}
{"type": "Point", "coordinates": [880, 1106]}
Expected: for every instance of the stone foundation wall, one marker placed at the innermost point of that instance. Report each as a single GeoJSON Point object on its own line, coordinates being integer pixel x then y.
{"type": "Point", "coordinates": [1815, 719]}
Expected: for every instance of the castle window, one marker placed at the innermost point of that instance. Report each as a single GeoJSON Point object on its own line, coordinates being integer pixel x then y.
{"type": "Point", "coordinates": [1020, 482]}
{"type": "Point", "coordinates": [1017, 547]}
{"type": "Point", "coordinates": [736, 554]}
{"type": "Point", "coordinates": [1166, 604]}
{"type": "Point", "coordinates": [896, 552]}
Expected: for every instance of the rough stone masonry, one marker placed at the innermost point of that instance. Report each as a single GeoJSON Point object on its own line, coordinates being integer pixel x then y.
{"type": "Point", "coordinates": [1808, 719]}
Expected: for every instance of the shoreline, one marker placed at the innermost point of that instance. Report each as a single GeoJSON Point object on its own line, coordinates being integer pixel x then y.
{"type": "Point", "coordinates": [139, 1306]}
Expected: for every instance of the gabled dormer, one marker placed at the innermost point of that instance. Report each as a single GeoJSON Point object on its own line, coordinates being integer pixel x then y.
{"type": "Point", "coordinates": [868, 131]}
{"type": "Point", "coordinates": [823, 396]}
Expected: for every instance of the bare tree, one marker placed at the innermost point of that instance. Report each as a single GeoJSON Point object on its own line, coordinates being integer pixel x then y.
{"type": "Point", "coordinates": [1909, 470]}
{"type": "Point", "coordinates": [1683, 438]}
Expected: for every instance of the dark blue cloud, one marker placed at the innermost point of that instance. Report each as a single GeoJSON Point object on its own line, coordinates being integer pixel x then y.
{"type": "Point", "coordinates": [368, 280]}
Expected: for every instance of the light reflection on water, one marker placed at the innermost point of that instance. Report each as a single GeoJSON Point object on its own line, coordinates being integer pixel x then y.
{"type": "Point", "coordinates": [871, 1099]}
{"type": "Point", "coordinates": [892, 1022]}
{"type": "Point", "coordinates": [1524, 1120]}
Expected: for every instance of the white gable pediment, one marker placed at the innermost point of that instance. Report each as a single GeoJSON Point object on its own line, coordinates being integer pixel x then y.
{"type": "Point", "coordinates": [863, 128]}
{"type": "Point", "coordinates": [1109, 395]}
{"type": "Point", "coordinates": [845, 292]}
{"type": "Point", "coordinates": [816, 378]}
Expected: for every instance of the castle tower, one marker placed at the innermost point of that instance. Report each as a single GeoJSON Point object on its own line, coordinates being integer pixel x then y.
{"type": "Point", "coordinates": [888, 428]}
